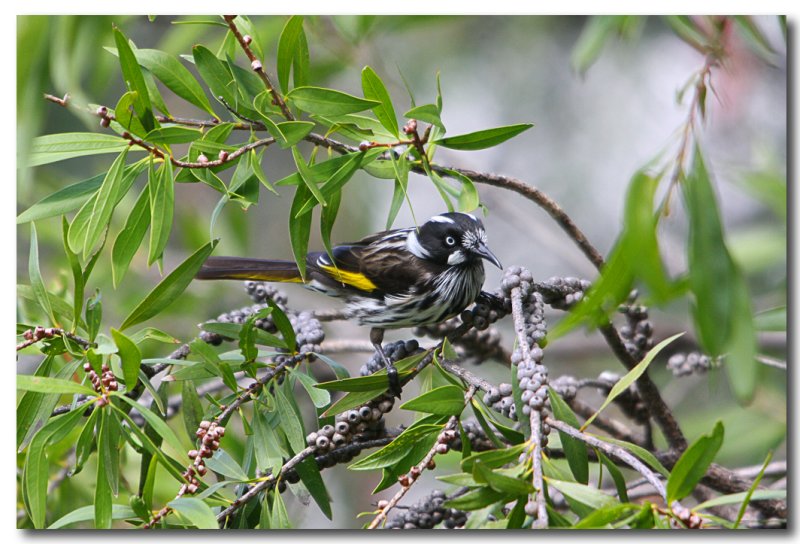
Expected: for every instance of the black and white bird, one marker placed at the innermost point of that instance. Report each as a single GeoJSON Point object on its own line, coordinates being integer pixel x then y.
{"type": "Point", "coordinates": [392, 279]}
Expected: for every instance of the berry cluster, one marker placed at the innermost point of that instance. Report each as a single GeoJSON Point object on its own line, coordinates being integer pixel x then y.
{"type": "Point", "coordinates": [685, 364]}
{"type": "Point", "coordinates": [427, 513]}
{"type": "Point", "coordinates": [475, 434]}
{"type": "Point", "coordinates": [566, 386]}
{"type": "Point", "coordinates": [102, 384]}
{"type": "Point", "coordinates": [262, 292]}
{"type": "Point", "coordinates": [629, 401]}
{"type": "Point", "coordinates": [395, 351]}
{"type": "Point", "coordinates": [501, 399]}
{"type": "Point", "coordinates": [531, 373]}
{"type": "Point", "coordinates": [366, 419]}
{"type": "Point", "coordinates": [209, 434]}
{"type": "Point", "coordinates": [308, 332]}
{"type": "Point", "coordinates": [563, 293]}
{"type": "Point", "coordinates": [637, 333]}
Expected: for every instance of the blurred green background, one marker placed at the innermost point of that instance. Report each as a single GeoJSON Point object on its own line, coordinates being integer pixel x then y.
{"type": "Point", "coordinates": [593, 131]}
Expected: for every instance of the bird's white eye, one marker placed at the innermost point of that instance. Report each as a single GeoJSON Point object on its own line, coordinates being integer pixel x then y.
{"type": "Point", "coordinates": [450, 241]}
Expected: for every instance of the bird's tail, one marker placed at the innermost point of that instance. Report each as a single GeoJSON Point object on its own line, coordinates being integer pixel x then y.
{"type": "Point", "coordinates": [242, 268]}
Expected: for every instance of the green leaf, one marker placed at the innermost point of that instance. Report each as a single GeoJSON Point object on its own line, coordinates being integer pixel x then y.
{"type": "Point", "coordinates": [77, 275]}
{"type": "Point", "coordinates": [616, 475]}
{"type": "Point", "coordinates": [35, 474]}
{"type": "Point", "coordinates": [37, 283]}
{"type": "Point", "coordinates": [756, 39]}
{"type": "Point", "coordinates": [482, 139]}
{"type": "Point", "coordinates": [166, 292]}
{"type": "Point", "coordinates": [62, 201]}
{"type": "Point", "coordinates": [596, 32]}
{"type": "Point", "coordinates": [158, 424]}
{"type": "Point", "coordinates": [195, 511]}
{"type": "Point", "coordinates": [58, 147]}
{"type": "Point", "coordinates": [175, 77]}
{"type": "Point", "coordinates": [224, 464]}
{"type": "Point", "coordinates": [584, 494]}
{"type": "Point", "coordinates": [328, 101]}
{"type": "Point", "coordinates": [374, 89]}
{"type": "Point", "coordinates": [192, 411]}
{"type": "Point", "coordinates": [641, 453]}
{"type": "Point", "coordinates": [468, 199]}
{"type": "Point", "coordinates": [575, 450]}
{"type": "Point", "coordinates": [602, 517]}
{"type": "Point", "coordinates": [293, 132]}
{"type": "Point", "coordinates": [102, 491]}
{"type": "Point", "coordinates": [215, 73]}
{"type": "Point", "coordinates": [627, 380]}
{"type": "Point", "coordinates": [641, 242]}
{"type": "Point", "coordinates": [130, 237]}
{"type": "Point", "coordinates": [693, 463]}
{"type": "Point", "coordinates": [44, 384]}
{"type": "Point", "coordinates": [280, 518]}
{"type": "Point", "coordinates": [86, 513]}
{"type": "Point", "coordinates": [306, 176]}
{"type": "Point", "coordinates": [498, 481]}
{"type": "Point", "coordinates": [311, 478]}
{"type": "Point", "coordinates": [162, 205]}
{"type": "Point", "coordinates": [447, 400]}
{"type": "Point", "coordinates": [476, 499]}
{"type": "Point", "coordinates": [427, 113]}
{"type": "Point", "coordinates": [319, 398]}
{"type": "Point", "coordinates": [173, 135]}
{"type": "Point", "coordinates": [300, 229]}
{"type": "Point", "coordinates": [722, 312]}
{"type": "Point", "coordinates": [106, 200]}
{"type": "Point", "coordinates": [749, 496]}
{"type": "Point", "coordinates": [134, 80]}
{"type": "Point", "coordinates": [94, 314]}
{"type": "Point", "coordinates": [287, 50]}
{"type": "Point", "coordinates": [335, 182]}
{"type": "Point", "coordinates": [131, 358]}
{"type": "Point", "coordinates": [493, 458]}
{"type": "Point", "coordinates": [290, 420]}
{"type": "Point", "coordinates": [125, 113]}
{"type": "Point", "coordinates": [739, 498]}
{"type": "Point", "coordinates": [773, 319]}
{"type": "Point", "coordinates": [397, 449]}
{"type": "Point", "coordinates": [327, 219]}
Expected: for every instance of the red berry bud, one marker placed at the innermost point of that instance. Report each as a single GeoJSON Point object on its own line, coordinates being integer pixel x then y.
{"type": "Point", "coordinates": [247, 39]}
{"type": "Point", "coordinates": [256, 65]}
{"type": "Point", "coordinates": [202, 159]}
{"type": "Point", "coordinates": [223, 155]}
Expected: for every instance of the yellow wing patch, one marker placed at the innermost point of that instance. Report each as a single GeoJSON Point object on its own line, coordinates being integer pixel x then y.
{"type": "Point", "coordinates": [356, 279]}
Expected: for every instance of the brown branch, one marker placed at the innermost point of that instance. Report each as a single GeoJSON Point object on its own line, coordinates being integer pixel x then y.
{"type": "Point", "coordinates": [37, 334]}
{"type": "Point", "coordinates": [258, 67]}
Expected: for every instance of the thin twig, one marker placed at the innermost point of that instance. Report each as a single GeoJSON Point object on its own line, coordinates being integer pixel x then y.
{"type": "Point", "coordinates": [37, 334]}
{"type": "Point", "coordinates": [258, 67]}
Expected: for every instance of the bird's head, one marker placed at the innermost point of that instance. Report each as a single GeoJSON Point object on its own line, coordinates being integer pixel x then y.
{"type": "Point", "coordinates": [451, 239]}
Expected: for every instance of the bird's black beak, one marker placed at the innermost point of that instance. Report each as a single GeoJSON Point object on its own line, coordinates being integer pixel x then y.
{"type": "Point", "coordinates": [487, 254]}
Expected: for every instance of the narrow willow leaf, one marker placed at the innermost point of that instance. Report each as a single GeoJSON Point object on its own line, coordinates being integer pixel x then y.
{"type": "Point", "coordinates": [737, 498]}
{"type": "Point", "coordinates": [125, 115]}
{"type": "Point", "coordinates": [35, 473]}
{"type": "Point", "coordinates": [468, 198]}
{"type": "Point", "coordinates": [62, 201]}
{"type": "Point", "coordinates": [312, 479]}
{"type": "Point", "coordinates": [291, 423]}
{"type": "Point", "coordinates": [197, 512]}
{"type": "Point", "coordinates": [106, 200]}
{"type": "Point", "coordinates": [78, 279]}
{"type": "Point", "coordinates": [175, 77]}
{"type": "Point", "coordinates": [476, 499]}
{"type": "Point", "coordinates": [374, 89]}
{"type": "Point", "coordinates": [58, 147]}
{"type": "Point", "coordinates": [158, 424]}
{"type": "Point", "coordinates": [86, 513]}
{"type": "Point", "coordinates": [280, 518]}
{"type": "Point", "coordinates": [482, 139]}
{"type": "Point", "coordinates": [130, 237]}
{"type": "Point", "coordinates": [173, 135]}
{"type": "Point", "coordinates": [749, 495]}
{"type": "Point", "coordinates": [328, 101]}
{"type": "Point", "coordinates": [447, 400]}
{"type": "Point", "coordinates": [334, 184]}
{"type": "Point", "coordinates": [575, 450]}
{"type": "Point", "coordinates": [166, 292]}
{"type": "Point", "coordinates": [616, 475]}
{"type": "Point", "coordinates": [224, 464]}
{"type": "Point", "coordinates": [192, 408]}
{"type": "Point", "coordinates": [512, 486]}
{"type": "Point", "coordinates": [300, 228]}
{"type": "Point", "coordinates": [627, 380]}
{"type": "Point", "coordinates": [397, 449]}
{"type": "Point", "coordinates": [427, 113]}
{"type": "Point", "coordinates": [584, 494]}
{"type": "Point", "coordinates": [693, 463]}
{"type": "Point", "coordinates": [327, 219]}
{"type": "Point", "coordinates": [44, 384]}
{"type": "Point", "coordinates": [132, 74]}
{"type": "Point", "coordinates": [215, 73]}
{"type": "Point", "coordinates": [102, 489]}
{"type": "Point", "coordinates": [162, 205]}
{"type": "Point", "coordinates": [307, 177]}
{"type": "Point", "coordinates": [131, 358]}
{"type": "Point", "coordinates": [596, 32]}
{"type": "Point", "coordinates": [287, 46]}
{"type": "Point", "coordinates": [319, 398]}
{"type": "Point", "coordinates": [35, 275]}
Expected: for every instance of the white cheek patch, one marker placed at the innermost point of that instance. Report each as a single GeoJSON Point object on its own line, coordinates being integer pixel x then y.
{"type": "Point", "coordinates": [441, 219]}
{"type": "Point", "coordinates": [456, 257]}
{"type": "Point", "coordinates": [413, 245]}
